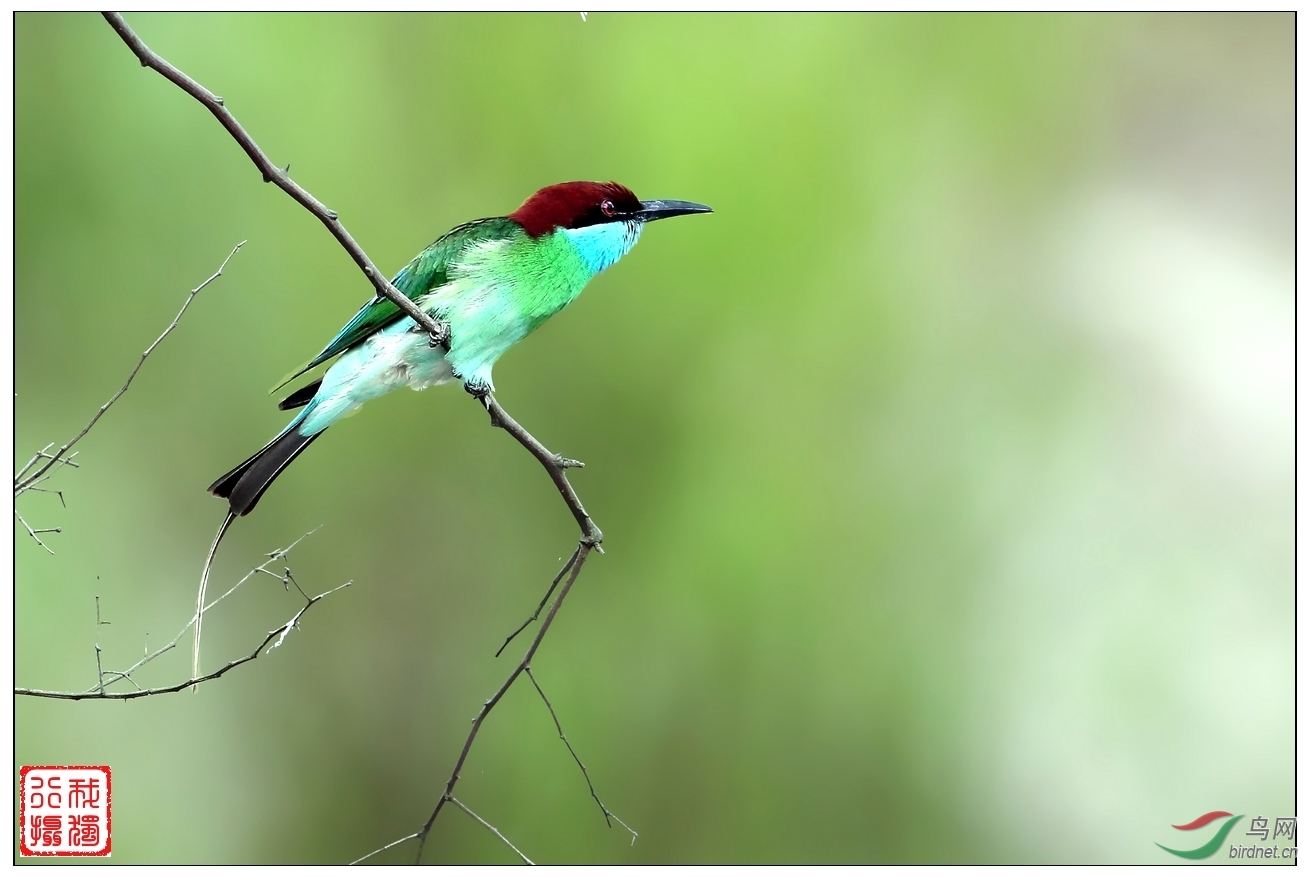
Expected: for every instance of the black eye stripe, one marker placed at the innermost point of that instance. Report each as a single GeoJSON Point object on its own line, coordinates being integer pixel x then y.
{"type": "Point", "coordinates": [607, 210]}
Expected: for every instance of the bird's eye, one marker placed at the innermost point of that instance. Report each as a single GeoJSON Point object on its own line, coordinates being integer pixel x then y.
{"type": "Point", "coordinates": [607, 207]}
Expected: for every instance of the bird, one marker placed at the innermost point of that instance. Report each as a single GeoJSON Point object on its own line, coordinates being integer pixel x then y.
{"type": "Point", "coordinates": [490, 283]}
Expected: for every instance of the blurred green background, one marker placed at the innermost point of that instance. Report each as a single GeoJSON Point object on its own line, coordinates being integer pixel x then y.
{"type": "Point", "coordinates": [945, 471]}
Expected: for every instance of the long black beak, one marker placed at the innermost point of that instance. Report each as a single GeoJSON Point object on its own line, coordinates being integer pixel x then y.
{"type": "Point", "coordinates": [653, 210]}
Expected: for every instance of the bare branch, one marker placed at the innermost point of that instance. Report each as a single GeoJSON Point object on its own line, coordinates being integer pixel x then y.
{"type": "Point", "coordinates": [605, 811]}
{"type": "Point", "coordinates": [23, 483]}
{"type": "Point", "coordinates": [555, 464]}
{"type": "Point", "coordinates": [491, 828]}
{"type": "Point", "coordinates": [274, 174]}
{"type": "Point", "coordinates": [280, 634]}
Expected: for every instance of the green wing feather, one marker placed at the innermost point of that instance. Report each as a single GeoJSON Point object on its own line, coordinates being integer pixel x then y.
{"type": "Point", "coordinates": [426, 272]}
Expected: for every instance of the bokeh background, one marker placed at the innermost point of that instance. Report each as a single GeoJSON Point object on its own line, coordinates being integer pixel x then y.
{"type": "Point", "coordinates": [946, 470]}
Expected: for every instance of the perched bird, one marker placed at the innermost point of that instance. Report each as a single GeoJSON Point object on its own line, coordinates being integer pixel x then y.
{"type": "Point", "coordinates": [491, 281]}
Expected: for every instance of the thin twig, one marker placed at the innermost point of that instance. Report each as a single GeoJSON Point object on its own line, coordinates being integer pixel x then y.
{"type": "Point", "coordinates": [605, 811]}
{"type": "Point", "coordinates": [491, 828]}
{"type": "Point", "coordinates": [272, 173]}
{"type": "Point", "coordinates": [21, 484]}
{"type": "Point", "coordinates": [279, 634]}
{"type": "Point", "coordinates": [542, 605]}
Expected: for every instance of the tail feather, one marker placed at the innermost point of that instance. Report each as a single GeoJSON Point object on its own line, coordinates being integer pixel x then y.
{"type": "Point", "coordinates": [300, 397]}
{"type": "Point", "coordinates": [223, 486]}
{"type": "Point", "coordinates": [200, 596]}
{"type": "Point", "coordinates": [244, 485]}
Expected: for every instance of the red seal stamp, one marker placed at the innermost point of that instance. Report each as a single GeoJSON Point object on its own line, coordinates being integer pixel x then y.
{"type": "Point", "coordinates": [64, 811]}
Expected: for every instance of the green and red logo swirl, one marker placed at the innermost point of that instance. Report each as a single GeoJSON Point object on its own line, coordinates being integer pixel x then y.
{"type": "Point", "coordinates": [1208, 848]}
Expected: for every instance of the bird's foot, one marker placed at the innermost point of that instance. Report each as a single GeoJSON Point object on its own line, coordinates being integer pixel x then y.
{"type": "Point", "coordinates": [440, 338]}
{"type": "Point", "coordinates": [477, 388]}
{"type": "Point", "coordinates": [481, 391]}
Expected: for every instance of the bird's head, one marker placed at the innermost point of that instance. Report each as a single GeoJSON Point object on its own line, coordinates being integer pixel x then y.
{"type": "Point", "coordinates": [580, 205]}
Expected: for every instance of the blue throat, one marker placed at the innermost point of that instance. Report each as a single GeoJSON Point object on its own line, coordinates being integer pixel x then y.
{"type": "Point", "coordinates": [602, 245]}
